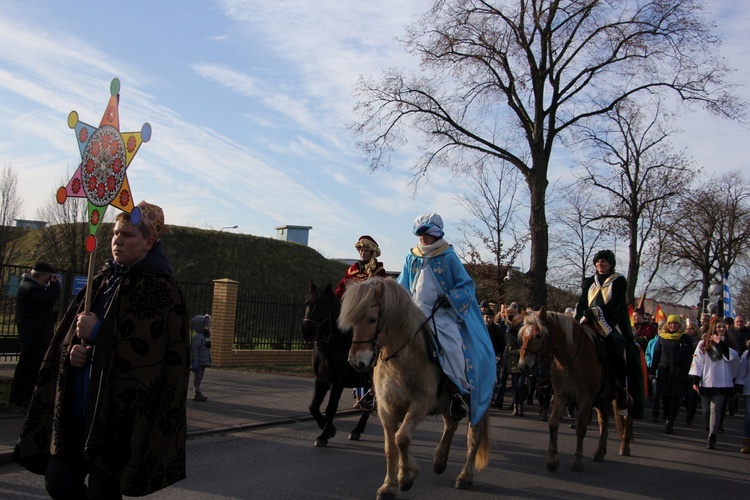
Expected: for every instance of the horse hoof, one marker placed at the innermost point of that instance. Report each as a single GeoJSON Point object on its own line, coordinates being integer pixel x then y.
{"type": "Point", "coordinates": [354, 436]}
{"type": "Point", "coordinates": [462, 484]}
{"type": "Point", "coordinates": [552, 466]}
{"type": "Point", "coordinates": [439, 468]}
{"type": "Point", "coordinates": [599, 457]}
{"type": "Point", "coordinates": [386, 496]}
{"type": "Point", "coordinates": [576, 466]}
{"type": "Point", "coordinates": [321, 443]}
{"type": "Point", "coordinates": [332, 431]}
{"type": "Point", "coordinates": [625, 452]}
{"type": "Point", "coordinates": [407, 484]}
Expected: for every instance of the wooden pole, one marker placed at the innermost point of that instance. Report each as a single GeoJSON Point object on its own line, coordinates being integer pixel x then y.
{"type": "Point", "coordinates": [89, 292]}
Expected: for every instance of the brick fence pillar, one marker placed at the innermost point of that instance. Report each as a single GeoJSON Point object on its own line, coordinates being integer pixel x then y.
{"type": "Point", "coordinates": [223, 315]}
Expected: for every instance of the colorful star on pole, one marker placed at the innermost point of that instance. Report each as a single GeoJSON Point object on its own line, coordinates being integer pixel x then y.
{"type": "Point", "coordinates": [106, 154]}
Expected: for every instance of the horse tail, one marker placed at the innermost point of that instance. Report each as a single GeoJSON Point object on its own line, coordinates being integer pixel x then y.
{"type": "Point", "coordinates": [482, 458]}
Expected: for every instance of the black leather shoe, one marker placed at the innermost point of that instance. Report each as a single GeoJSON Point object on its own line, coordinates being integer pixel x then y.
{"type": "Point", "coordinates": [711, 441]}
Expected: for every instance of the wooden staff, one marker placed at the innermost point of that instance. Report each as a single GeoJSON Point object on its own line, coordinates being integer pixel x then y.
{"type": "Point", "coordinates": [89, 292]}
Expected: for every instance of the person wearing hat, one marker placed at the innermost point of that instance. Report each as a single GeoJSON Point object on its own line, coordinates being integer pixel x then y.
{"type": "Point", "coordinates": [605, 291]}
{"type": "Point", "coordinates": [670, 362]}
{"type": "Point", "coordinates": [35, 319]}
{"type": "Point", "coordinates": [111, 406]}
{"type": "Point", "coordinates": [441, 287]}
{"type": "Point", "coordinates": [200, 352]}
{"type": "Point", "coordinates": [366, 266]}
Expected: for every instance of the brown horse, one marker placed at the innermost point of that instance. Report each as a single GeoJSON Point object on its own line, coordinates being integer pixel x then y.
{"type": "Point", "coordinates": [578, 376]}
{"type": "Point", "coordinates": [390, 332]}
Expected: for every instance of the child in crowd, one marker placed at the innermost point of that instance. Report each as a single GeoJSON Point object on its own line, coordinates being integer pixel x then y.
{"type": "Point", "coordinates": [200, 352]}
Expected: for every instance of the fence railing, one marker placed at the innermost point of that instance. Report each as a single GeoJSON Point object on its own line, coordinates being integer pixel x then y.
{"type": "Point", "coordinates": [268, 322]}
{"type": "Point", "coordinates": [263, 321]}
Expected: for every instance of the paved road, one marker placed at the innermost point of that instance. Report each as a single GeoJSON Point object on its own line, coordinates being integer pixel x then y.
{"type": "Point", "coordinates": [279, 462]}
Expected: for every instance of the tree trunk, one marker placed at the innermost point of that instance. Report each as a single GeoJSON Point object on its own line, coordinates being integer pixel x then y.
{"type": "Point", "coordinates": [537, 274]}
{"type": "Point", "coordinates": [634, 264]}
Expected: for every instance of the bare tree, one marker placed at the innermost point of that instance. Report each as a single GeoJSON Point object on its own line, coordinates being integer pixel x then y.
{"type": "Point", "coordinates": [497, 237]}
{"type": "Point", "coordinates": [710, 233]}
{"type": "Point", "coordinates": [506, 79]}
{"type": "Point", "coordinates": [10, 209]}
{"type": "Point", "coordinates": [633, 163]}
{"type": "Point", "coordinates": [577, 236]}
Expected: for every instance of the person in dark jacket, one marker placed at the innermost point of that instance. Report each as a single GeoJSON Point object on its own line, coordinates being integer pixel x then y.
{"type": "Point", "coordinates": [606, 291]}
{"type": "Point", "coordinates": [672, 356]}
{"type": "Point", "coordinates": [35, 317]}
{"type": "Point", "coordinates": [497, 337]}
{"type": "Point", "coordinates": [109, 405]}
{"type": "Point", "coordinates": [200, 352]}
{"type": "Point", "coordinates": [512, 355]}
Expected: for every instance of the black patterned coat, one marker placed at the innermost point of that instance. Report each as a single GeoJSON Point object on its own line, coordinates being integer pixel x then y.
{"type": "Point", "coordinates": [135, 414]}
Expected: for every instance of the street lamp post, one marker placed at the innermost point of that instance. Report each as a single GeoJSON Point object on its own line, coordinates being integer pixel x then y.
{"type": "Point", "coordinates": [230, 227]}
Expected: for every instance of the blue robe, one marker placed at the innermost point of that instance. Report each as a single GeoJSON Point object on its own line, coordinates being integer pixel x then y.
{"type": "Point", "coordinates": [455, 283]}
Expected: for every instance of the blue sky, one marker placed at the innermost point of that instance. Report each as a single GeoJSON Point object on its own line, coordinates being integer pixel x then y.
{"type": "Point", "coordinates": [249, 102]}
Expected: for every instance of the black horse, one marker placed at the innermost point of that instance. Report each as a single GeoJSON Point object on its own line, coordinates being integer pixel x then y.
{"type": "Point", "coordinates": [332, 370]}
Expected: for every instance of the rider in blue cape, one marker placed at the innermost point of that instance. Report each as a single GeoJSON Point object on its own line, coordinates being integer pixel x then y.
{"type": "Point", "coordinates": [439, 284]}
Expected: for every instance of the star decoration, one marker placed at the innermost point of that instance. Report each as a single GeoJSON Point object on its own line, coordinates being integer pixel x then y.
{"type": "Point", "coordinates": [106, 154]}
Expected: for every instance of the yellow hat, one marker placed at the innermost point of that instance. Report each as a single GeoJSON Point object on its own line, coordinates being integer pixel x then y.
{"type": "Point", "coordinates": [674, 318]}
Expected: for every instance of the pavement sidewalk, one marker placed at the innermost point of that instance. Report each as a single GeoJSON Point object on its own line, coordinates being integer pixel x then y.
{"type": "Point", "coordinates": [236, 400]}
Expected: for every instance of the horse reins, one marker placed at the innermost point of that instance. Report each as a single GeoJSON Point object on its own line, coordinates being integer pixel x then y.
{"type": "Point", "coordinates": [547, 338]}
{"type": "Point", "coordinates": [373, 341]}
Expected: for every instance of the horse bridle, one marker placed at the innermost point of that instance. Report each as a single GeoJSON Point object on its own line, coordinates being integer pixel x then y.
{"type": "Point", "coordinates": [373, 341]}
{"type": "Point", "coordinates": [537, 353]}
{"type": "Point", "coordinates": [546, 338]}
{"type": "Point", "coordinates": [331, 330]}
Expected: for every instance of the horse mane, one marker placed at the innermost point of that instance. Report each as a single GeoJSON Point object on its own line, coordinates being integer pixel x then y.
{"type": "Point", "coordinates": [562, 322]}
{"type": "Point", "coordinates": [398, 310]}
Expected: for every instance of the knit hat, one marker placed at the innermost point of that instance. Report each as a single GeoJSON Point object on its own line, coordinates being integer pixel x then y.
{"type": "Point", "coordinates": [368, 243]}
{"type": "Point", "coordinates": [43, 267]}
{"type": "Point", "coordinates": [674, 318]}
{"type": "Point", "coordinates": [200, 322]}
{"type": "Point", "coordinates": [152, 217]}
{"type": "Point", "coordinates": [513, 306]}
{"type": "Point", "coordinates": [607, 255]}
{"type": "Point", "coordinates": [431, 224]}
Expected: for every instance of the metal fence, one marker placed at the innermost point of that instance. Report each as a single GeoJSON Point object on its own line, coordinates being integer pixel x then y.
{"type": "Point", "coordinates": [268, 321]}
{"type": "Point", "coordinates": [263, 321]}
